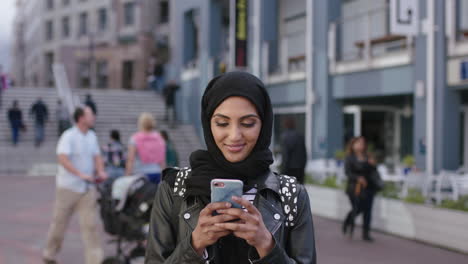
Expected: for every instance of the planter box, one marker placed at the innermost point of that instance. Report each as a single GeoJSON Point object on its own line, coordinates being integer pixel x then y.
{"type": "Point", "coordinates": [440, 227]}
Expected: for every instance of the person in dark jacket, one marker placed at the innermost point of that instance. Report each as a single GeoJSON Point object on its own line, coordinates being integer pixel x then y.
{"type": "Point", "coordinates": [169, 95]}
{"type": "Point", "coordinates": [40, 114]}
{"type": "Point", "coordinates": [15, 117]}
{"type": "Point", "coordinates": [114, 155]}
{"type": "Point", "coordinates": [358, 168]}
{"type": "Point", "coordinates": [63, 117]}
{"type": "Point", "coordinates": [293, 151]}
{"type": "Point", "coordinates": [172, 159]}
{"type": "Point", "coordinates": [90, 102]}
{"type": "Point", "coordinates": [158, 74]}
{"type": "Point", "coordinates": [237, 119]}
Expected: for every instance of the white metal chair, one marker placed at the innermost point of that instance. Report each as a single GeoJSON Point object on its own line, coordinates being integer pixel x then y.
{"type": "Point", "coordinates": [457, 182]}
{"type": "Point", "coordinates": [322, 168]}
{"type": "Point", "coordinates": [417, 180]}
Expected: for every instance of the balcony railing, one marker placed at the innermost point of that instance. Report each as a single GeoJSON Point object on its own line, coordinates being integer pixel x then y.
{"type": "Point", "coordinates": [363, 37]}
{"type": "Point", "coordinates": [290, 54]}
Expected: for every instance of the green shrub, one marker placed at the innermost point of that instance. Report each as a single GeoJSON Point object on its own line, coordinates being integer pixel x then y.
{"type": "Point", "coordinates": [340, 154]}
{"type": "Point", "coordinates": [390, 190]}
{"type": "Point", "coordinates": [309, 179]}
{"type": "Point", "coordinates": [408, 161]}
{"type": "Point", "coordinates": [415, 196]}
{"type": "Point", "coordinates": [331, 182]}
{"type": "Point", "coordinates": [461, 204]}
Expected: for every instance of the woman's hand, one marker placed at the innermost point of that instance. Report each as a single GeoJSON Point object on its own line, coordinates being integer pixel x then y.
{"type": "Point", "coordinates": [206, 233]}
{"type": "Point", "coordinates": [250, 227]}
{"type": "Point", "coordinates": [362, 181]}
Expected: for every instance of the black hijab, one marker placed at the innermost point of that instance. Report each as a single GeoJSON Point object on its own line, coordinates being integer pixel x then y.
{"type": "Point", "coordinates": [210, 164]}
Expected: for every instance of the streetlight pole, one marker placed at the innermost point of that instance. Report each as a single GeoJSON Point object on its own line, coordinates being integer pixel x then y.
{"type": "Point", "coordinates": [92, 63]}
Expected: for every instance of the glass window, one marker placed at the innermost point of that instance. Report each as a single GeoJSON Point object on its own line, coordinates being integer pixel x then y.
{"type": "Point", "coordinates": [65, 27]}
{"type": "Point", "coordinates": [357, 18]}
{"type": "Point", "coordinates": [102, 13]}
{"type": "Point", "coordinates": [191, 31]}
{"type": "Point", "coordinates": [49, 30]}
{"type": "Point", "coordinates": [129, 14]}
{"type": "Point", "coordinates": [50, 4]}
{"type": "Point", "coordinates": [463, 137]}
{"type": "Point", "coordinates": [102, 74]}
{"type": "Point", "coordinates": [462, 19]}
{"type": "Point", "coordinates": [83, 24]}
{"type": "Point", "coordinates": [49, 60]}
{"type": "Point", "coordinates": [164, 12]}
{"type": "Point", "coordinates": [83, 74]}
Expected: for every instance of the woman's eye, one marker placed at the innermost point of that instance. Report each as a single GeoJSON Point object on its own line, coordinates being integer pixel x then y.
{"type": "Point", "coordinates": [222, 124]}
{"type": "Point", "coordinates": [248, 124]}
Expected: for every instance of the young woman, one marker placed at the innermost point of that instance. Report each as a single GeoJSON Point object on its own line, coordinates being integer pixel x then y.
{"type": "Point", "coordinates": [237, 123]}
{"type": "Point", "coordinates": [360, 190]}
{"type": "Point", "coordinates": [146, 150]}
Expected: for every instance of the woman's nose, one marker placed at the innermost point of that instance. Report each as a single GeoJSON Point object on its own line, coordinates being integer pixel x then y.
{"type": "Point", "coordinates": [235, 133]}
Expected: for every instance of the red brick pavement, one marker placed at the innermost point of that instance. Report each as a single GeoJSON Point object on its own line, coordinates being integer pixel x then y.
{"type": "Point", "coordinates": [26, 205]}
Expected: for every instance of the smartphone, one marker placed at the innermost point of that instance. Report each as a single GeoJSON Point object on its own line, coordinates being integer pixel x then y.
{"type": "Point", "coordinates": [222, 190]}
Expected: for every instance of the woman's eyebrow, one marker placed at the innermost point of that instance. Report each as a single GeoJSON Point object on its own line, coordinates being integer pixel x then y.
{"type": "Point", "coordinates": [222, 116]}
{"type": "Point", "coordinates": [248, 116]}
{"type": "Point", "coordinates": [243, 117]}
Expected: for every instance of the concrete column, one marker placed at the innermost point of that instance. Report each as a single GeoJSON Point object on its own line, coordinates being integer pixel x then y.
{"type": "Point", "coordinates": [327, 120]}
{"type": "Point", "coordinates": [446, 103]}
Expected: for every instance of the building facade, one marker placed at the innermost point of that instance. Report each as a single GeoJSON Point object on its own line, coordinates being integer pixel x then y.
{"type": "Point", "coordinates": [337, 69]}
{"type": "Point", "coordinates": [102, 44]}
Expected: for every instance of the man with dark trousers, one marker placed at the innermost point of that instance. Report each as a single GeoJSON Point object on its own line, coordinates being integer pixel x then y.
{"type": "Point", "coordinates": [293, 151]}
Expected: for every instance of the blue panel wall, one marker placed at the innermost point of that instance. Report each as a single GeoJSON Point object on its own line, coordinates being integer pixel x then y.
{"type": "Point", "coordinates": [288, 93]}
{"type": "Point", "coordinates": [388, 81]}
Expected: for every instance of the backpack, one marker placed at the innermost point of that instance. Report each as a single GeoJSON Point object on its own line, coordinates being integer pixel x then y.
{"type": "Point", "coordinates": [288, 194]}
{"type": "Point", "coordinates": [151, 147]}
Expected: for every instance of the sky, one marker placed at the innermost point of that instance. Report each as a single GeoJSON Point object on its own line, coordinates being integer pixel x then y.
{"type": "Point", "coordinates": [7, 8]}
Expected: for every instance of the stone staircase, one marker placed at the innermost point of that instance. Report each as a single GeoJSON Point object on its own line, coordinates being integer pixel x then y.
{"type": "Point", "coordinates": [117, 109]}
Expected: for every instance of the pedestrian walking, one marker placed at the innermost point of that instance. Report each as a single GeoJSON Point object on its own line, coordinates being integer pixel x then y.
{"type": "Point", "coordinates": [146, 150]}
{"type": "Point", "coordinates": [15, 118]}
{"type": "Point", "coordinates": [40, 114]}
{"type": "Point", "coordinates": [172, 159]}
{"type": "Point", "coordinates": [114, 156]}
{"type": "Point", "coordinates": [3, 85]}
{"type": "Point", "coordinates": [169, 95]}
{"type": "Point", "coordinates": [90, 102]}
{"type": "Point", "coordinates": [79, 158]}
{"type": "Point", "coordinates": [293, 151]}
{"type": "Point", "coordinates": [63, 117]}
{"type": "Point", "coordinates": [158, 74]}
{"type": "Point", "coordinates": [237, 120]}
{"type": "Point", "coordinates": [360, 169]}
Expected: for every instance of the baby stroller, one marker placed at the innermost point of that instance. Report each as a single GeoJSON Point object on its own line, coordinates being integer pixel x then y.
{"type": "Point", "coordinates": [125, 208]}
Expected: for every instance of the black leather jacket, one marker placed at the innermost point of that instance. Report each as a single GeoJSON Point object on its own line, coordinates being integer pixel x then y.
{"type": "Point", "coordinates": [355, 168]}
{"type": "Point", "coordinates": [169, 240]}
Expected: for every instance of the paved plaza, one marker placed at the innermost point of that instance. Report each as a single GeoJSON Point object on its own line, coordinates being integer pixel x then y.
{"type": "Point", "coordinates": [26, 204]}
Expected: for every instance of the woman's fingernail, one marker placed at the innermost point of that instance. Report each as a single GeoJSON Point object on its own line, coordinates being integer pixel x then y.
{"type": "Point", "coordinates": [235, 198]}
{"type": "Point", "coordinates": [228, 205]}
{"type": "Point", "coordinates": [221, 211]}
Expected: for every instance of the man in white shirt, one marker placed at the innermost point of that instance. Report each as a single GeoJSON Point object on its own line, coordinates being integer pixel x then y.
{"type": "Point", "coordinates": [80, 165]}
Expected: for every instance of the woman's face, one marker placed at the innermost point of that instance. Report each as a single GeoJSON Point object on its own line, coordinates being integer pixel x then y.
{"type": "Point", "coordinates": [359, 146]}
{"type": "Point", "coordinates": [235, 126]}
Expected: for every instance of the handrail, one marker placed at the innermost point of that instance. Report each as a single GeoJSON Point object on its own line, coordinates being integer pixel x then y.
{"type": "Point", "coordinates": [63, 87]}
